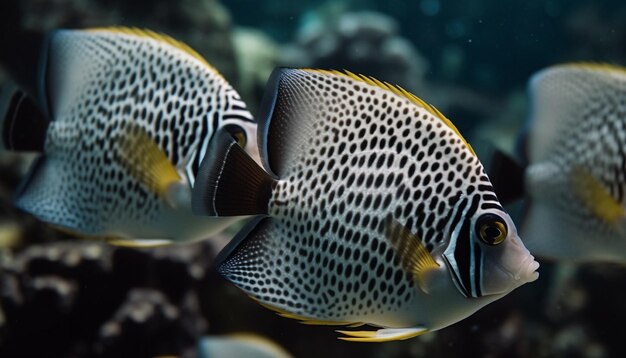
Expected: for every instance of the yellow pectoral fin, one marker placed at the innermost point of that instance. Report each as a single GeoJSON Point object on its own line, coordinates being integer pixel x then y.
{"type": "Point", "coordinates": [145, 161]}
{"type": "Point", "coordinates": [414, 256]}
{"type": "Point", "coordinates": [382, 335]}
{"type": "Point", "coordinates": [596, 197]}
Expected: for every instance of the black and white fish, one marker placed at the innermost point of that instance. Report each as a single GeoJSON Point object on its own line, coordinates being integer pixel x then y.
{"type": "Point", "coordinates": [371, 209]}
{"type": "Point", "coordinates": [123, 117]}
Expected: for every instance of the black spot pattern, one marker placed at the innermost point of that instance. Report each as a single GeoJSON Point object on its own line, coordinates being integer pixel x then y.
{"type": "Point", "coordinates": [99, 82]}
{"type": "Point", "coordinates": [369, 153]}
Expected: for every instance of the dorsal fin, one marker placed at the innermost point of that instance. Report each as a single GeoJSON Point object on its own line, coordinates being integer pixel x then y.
{"type": "Point", "coordinates": [399, 91]}
{"type": "Point", "coordinates": [609, 67]}
{"type": "Point", "coordinates": [158, 37]}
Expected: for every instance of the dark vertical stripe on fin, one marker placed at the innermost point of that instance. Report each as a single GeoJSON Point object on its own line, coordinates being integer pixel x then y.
{"type": "Point", "coordinates": [462, 256]}
{"type": "Point", "coordinates": [478, 269]}
{"type": "Point", "coordinates": [506, 176]}
{"type": "Point", "coordinates": [230, 182]}
{"type": "Point", "coordinates": [24, 126]}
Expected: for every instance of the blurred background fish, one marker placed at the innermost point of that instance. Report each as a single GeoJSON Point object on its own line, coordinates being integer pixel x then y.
{"type": "Point", "coordinates": [125, 116]}
{"type": "Point", "coordinates": [240, 345]}
{"type": "Point", "coordinates": [574, 175]}
{"type": "Point", "coordinates": [372, 209]}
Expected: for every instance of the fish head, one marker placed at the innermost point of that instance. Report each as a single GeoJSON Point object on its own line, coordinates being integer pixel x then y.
{"type": "Point", "coordinates": [507, 263]}
{"type": "Point", "coordinates": [487, 257]}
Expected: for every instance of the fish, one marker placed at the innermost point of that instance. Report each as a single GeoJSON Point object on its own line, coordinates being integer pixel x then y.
{"type": "Point", "coordinates": [240, 345]}
{"type": "Point", "coordinates": [572, 150]}
{"type": "Point", "coordinates": [122, 118]}
{"type": "Point", "coordinates": [369, 208]}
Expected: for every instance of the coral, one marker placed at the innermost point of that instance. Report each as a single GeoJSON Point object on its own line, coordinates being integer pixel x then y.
{"type": "Point", "coordinates": [81, 298]}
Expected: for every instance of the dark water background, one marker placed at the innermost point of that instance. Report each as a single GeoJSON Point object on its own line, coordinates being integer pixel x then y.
{"type": "Point", "coordinates": [64, 297]}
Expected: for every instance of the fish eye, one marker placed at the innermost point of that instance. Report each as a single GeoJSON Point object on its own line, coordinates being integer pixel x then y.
{"type": "Point", "coordinates": [238, 133]}
{"type": "Point", "coordinates": [491, 229]}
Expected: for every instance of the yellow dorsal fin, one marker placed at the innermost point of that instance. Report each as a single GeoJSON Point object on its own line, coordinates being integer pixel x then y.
{"type": "Point", "coordinates": [159, 37]}
{"type": "Point", "coordinates": [595, 196]}
{"type": "Point", "coordinates": [400, 92]}
{"type": "Point", "coordinates": [594, 66]}
{"type": "Point", "coordinates": [146, 162]}
{"type": "Point", "coordinates": [413, 255]}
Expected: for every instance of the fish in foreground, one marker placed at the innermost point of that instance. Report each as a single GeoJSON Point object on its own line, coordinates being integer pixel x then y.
{"type": "Point", "coordinates": [372, 209]}
{"type": "Point", "coordinates": [123, 118]}
{"type": "Point", "coordinates": [574, 174]}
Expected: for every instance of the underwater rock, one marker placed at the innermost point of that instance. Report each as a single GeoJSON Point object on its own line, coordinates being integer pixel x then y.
{"type": "Point", "coordinates": [362, 42]}
{"type": "Point", "coordinates": [145, 323]}
{"type": "Point", "coordinates": [87, 298]}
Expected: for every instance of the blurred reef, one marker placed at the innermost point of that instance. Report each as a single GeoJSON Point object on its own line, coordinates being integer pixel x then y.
{"type": "Point", "coordinates": [66, 297]}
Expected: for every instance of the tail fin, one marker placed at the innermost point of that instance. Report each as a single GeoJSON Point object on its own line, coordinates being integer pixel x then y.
{"type": "Point", "coordinates": [507, 177]}
{"type": "Point", "coordinates": [24, 126]}
{"type": "Point", "coordinates": [230, 182]}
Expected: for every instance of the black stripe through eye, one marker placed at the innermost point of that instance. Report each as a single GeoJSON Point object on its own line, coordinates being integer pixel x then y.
{"type": "Point", "coordinates": [462, 255]}
{"type": "Point", "coordinates": [478, 269]}
{"type": "Point", "coordinates": [462, 251]}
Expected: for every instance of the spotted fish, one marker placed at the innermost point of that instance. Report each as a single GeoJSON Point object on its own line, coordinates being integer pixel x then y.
{"type": "Point", "coordinates": [372, 209]}
{"type": "Point", "coordinates": [123, 117]}
{"type": "Point", "coordinates": [575, 173]}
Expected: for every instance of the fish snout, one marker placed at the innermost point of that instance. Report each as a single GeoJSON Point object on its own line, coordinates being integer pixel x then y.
{"type": "Point", "coordinates": [509, 268]}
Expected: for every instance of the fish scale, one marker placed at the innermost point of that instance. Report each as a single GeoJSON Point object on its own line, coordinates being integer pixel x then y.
{"type": "Point", "coordinates": [358, 188]}
{"type": "Point", "coordinates": [103, 87]}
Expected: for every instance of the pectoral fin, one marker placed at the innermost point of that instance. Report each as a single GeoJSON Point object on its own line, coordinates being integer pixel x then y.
{"type": "Point", "coordinates": [145, 161]}
{"type": "Point", "coordinates": [413, 255]}
{"type": "Point", "coordinates": [596, 197]}
{"type": "Point", "coordinates": [382, 335]}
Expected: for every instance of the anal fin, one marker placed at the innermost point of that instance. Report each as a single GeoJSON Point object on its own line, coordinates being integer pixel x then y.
{"type": "Point", "coordinates": [382, 335]}
{"type": "Point", "coordinates": [139, 243]}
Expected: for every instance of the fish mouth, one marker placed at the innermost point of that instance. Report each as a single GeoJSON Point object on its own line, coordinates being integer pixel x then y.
{"type": "Point", "coordinates": [528, 270]}
{"type": "Point", "coordinates": [505, 280]}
